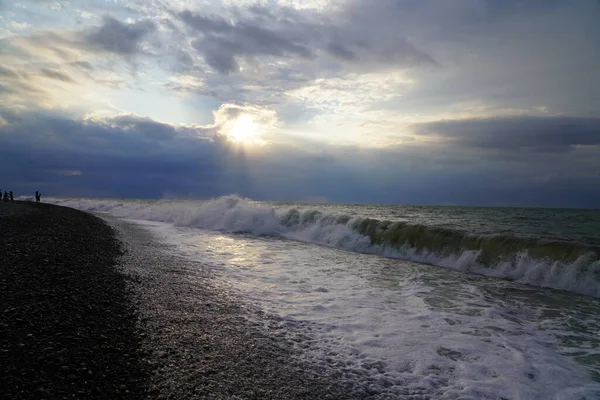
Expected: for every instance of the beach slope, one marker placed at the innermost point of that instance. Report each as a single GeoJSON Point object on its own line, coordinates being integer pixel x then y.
{"type": "Point", "coordinates": [67, 324]}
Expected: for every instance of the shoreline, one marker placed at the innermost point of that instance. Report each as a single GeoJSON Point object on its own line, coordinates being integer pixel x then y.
{"type": "Point", "coordinates": [202, 344]}
{"type": "Point", "coordinates": [92, 307]}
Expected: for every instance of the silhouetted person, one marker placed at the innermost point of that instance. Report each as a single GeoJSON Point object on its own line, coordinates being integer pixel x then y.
{"type": "Point", "coordinates": [11, 196]}
{"type": "Point", "coordinates": [5, 195]}
{"type": "Point", "coordinates": [38, 196]}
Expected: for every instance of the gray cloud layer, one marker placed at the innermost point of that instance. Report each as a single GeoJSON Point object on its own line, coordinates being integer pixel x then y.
{"type": "Point", "coordinates": [536, 133]}
{"type": "Point", "coordinates": [131, 156]}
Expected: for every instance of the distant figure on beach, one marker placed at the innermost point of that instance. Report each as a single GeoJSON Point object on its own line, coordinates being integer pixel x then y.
{"type": "Point", "coordinates": [38, 196]}
{"type": "Point", "coordinates": [5, 196]}
{"type": "Point", "coordinates": [10, 194]}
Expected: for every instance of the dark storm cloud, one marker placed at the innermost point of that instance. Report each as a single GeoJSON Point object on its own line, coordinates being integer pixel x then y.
{"type": "Point", "coordinates": [145, 126]}
{"type": "Point", "coordinates": [122, 156]}
{"type": "Point", "coordinates": [59, 76]}
{"type": "Point", "coordinates": [547, 134]}
{"type": "Point", "coordinates": [132, 156]}
{"type": "Point", "coordinates": [125, 134]}
{"type": "Point", "coordinates": [116, 37]}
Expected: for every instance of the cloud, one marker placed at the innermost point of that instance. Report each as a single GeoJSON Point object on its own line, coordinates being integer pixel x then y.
{"type": "Point", "coordinates": [84, 64]}
{"type": "Point", "coordinates": [132, 156]}
{"type": "Point", "coordinates": [143, 126]}
{"type": "Point", "coordinates": [18, 25]}
{"type": "Point", "coordinates": [338, 50]}
{"type": "Point", "coordinates": [204, 23]}
{"type": "Point", "coordinates": [49, 45]}
{"type": "Point", "coordinates": [286, 33]}
{"type": "Point", "coordinates": [116, 37]}
{"type": "Point", "coordinates": [112, 36]}
{"type": "Point", "coordinates": [224, 63]}
{"type": "Point", "coordinates": [222, 41]}
{"type": "Point", "coordinates": [269, 55]}
{"type": "Point", "coordinates": [450, 93]}
{"type": "Point", "coordinates": [544, 134]}
{"type": "Point", "coordinates": [52, 74]}
{"type": "Point", "coordinates": [80, 64]}
{"type": "Point", "coordinates": [20, 87]}
{"type": "Point", "coordinates": [53, 4]}
{"type": "Point", "coordinates": [8, 73]}
{"type": "Point", "coordinates": [24, 89]}
{"type": "Point", "coordinates": [126, 155]}
{"type": "Point", "coordinates": [5, 89]}
{"type": "Point", "coordinates": [110, 153]}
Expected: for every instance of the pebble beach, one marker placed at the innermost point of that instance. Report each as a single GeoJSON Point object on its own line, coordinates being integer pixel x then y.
{"type": "Point", "coordinates": [92, 308]}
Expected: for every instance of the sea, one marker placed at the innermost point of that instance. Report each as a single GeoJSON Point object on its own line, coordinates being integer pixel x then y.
{"type": "Point", "coordinates": [453, 302]}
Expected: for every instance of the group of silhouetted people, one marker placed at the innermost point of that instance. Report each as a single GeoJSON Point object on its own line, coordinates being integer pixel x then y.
{"type": "Point", "coordinates": [8, 196]}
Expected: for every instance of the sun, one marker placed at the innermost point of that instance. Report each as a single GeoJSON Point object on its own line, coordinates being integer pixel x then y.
{"type": "Point", "coordinates": [243, 130]}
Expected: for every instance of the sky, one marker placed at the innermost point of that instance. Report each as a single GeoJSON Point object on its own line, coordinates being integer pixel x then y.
{"type": "Point", "coordinates": [433, 102]}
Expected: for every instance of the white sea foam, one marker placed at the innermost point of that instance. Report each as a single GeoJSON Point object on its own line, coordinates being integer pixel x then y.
{"type": "Point", "coordinates": [234, 214]}
{"type": "Point", "coordinates": [406, 329]}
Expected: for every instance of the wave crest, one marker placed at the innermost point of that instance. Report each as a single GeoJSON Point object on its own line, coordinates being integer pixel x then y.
{"type": "Point", "coordinates": [547, 263]}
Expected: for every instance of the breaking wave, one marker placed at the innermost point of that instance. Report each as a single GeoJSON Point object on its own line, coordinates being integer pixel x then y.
{"type": "Point", "coordinates": [555, 264]}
